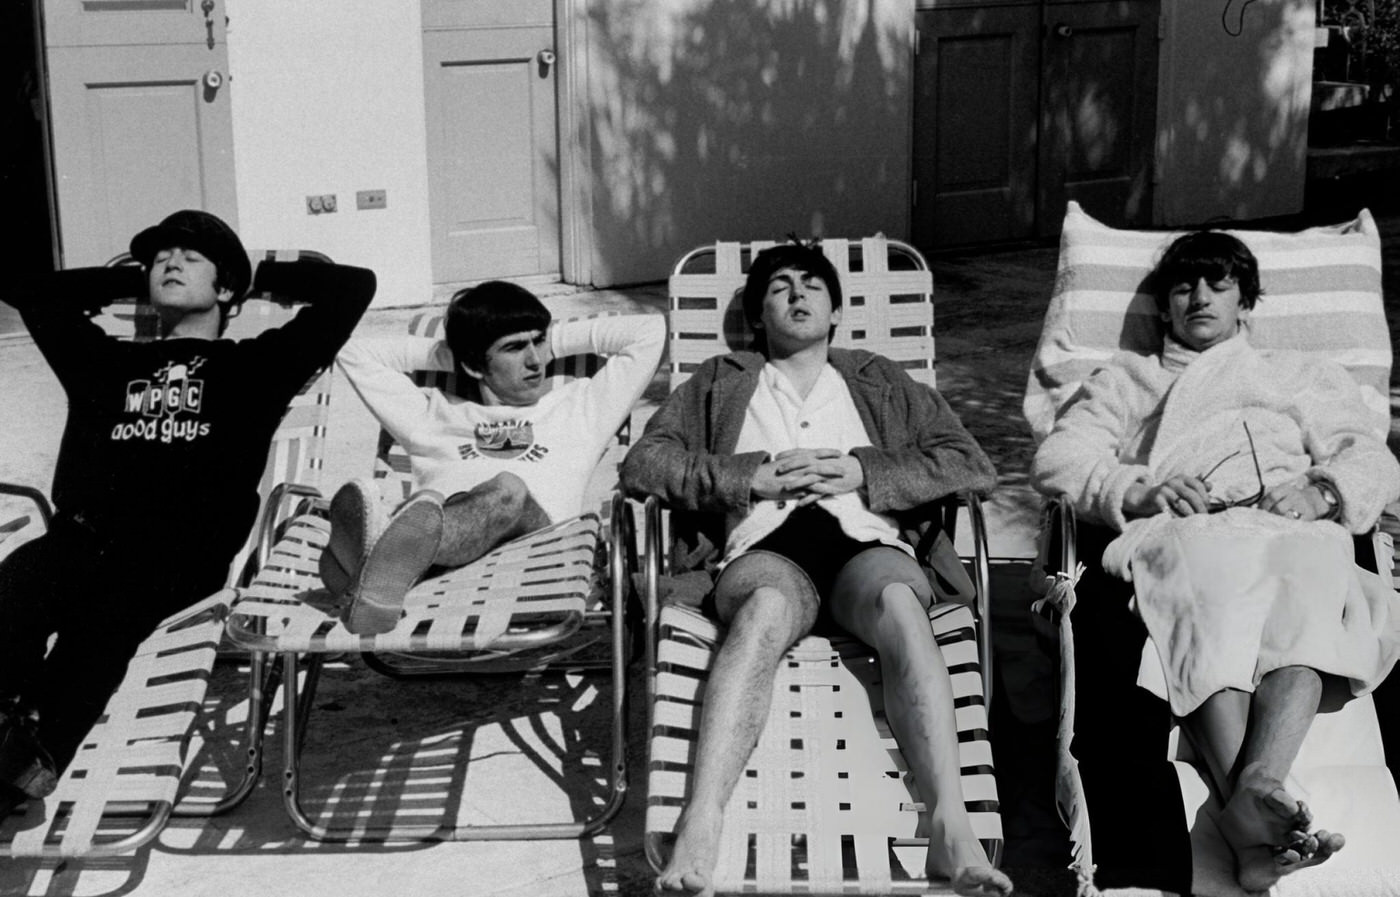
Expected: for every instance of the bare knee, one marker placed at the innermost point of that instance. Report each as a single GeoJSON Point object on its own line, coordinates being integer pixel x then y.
{"type": "Point", "coordinates": [771, 615]}
{"type": "Point", "coordinates": [506, 488]}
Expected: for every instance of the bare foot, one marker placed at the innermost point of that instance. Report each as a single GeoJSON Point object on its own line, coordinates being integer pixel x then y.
{"type": "Point", "coordinates": [691, 867]}
{"type": "Point", "coordinates": [1266, 827]}
{"type": "Point", "coordinates": [1323, 844]}
{"type": "Point", "coordinates": [959, 857]}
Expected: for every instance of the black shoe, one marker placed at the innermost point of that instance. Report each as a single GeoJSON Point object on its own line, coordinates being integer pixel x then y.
{"type": "Point", "coordinates": [10, 798]}
{"type": "Point", "coordinates": [24, 764]}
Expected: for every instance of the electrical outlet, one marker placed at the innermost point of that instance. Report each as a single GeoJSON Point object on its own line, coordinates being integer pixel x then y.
{"type": "Point", "coordinates": [371, 199]}
{"type": "Point", "coordinates": [320, 203]}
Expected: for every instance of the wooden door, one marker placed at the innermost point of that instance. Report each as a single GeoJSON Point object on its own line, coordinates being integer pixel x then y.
{"type": "Point", "coordinates": [1099, 111]}
{"type": "Point", "coordinates": [493, 153]}
{"type": "Point", "coordinates": [139, 100]}
{"type": "Point", "coordinates": [976, 80]}
{"type": "Point", "coordinates": [1022, 105]}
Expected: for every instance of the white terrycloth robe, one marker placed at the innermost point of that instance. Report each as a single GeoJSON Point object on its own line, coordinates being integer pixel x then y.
{"type": "Point", "coordinates": [1229, 597]}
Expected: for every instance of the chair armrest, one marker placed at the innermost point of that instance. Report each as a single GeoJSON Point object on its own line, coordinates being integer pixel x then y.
{"type": "Point", "coordinates": [981, 578]}
{"type": "Point", "coordinates": [34, 495]}
{"type": "Point", "coordinates": [272, 517]}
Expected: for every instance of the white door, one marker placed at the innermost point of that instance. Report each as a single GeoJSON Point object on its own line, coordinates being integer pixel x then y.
{"type": "Point", "coordinates": [139, 98]}
{"type": "Point", "coordinates": [493, 146]}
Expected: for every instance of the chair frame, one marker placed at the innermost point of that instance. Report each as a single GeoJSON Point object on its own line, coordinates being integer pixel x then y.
{"type": "Point", "coordinates": [509, 653]}
{"type": "Point", "coordinates": [174, 634]}
{"type": "Point", "coordinates": [656, 544]}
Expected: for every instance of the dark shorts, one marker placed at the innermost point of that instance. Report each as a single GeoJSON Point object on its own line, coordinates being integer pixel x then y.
{"type": "Point", "coordinates": [804, 557]}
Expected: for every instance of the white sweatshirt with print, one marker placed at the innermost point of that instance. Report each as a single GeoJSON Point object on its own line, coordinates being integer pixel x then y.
{"type": "Point", "coordinates": [455, 444]}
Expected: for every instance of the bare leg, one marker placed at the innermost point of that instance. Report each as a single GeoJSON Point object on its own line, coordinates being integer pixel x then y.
{"type": "Point", "coordinates": [918, 695]}
{"type": "Point", "coordinates": [1264, 824]}
{"type": "Point", "coordinates": [737, 698]}
{"type": "Point", "coordinates": [477, 521]}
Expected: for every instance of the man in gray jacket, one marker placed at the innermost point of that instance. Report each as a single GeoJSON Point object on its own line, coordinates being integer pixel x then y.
{"type": "Point", "coordinates": [798, 474]}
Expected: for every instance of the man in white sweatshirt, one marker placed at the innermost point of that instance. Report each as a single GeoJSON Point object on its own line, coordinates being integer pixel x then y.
{"type": "Point", "coordinates": [513, 458]}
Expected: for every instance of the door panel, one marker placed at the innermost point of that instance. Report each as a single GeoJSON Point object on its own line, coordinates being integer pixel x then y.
{"type": "Point", "coordinates": [453, 14]}
{"type": "Point", "coordinates": [138, 131]}
{"type": "Point", "coordinates": [1099, 111]}
{"type": "Point", "coordinates": [1021, 106]}
{"type": "Point", "coordinates": [492, 153]}
{"type": "Point", "coordinates": [975, 117]}
{"type": "Point", "coordinates": [125, 22]}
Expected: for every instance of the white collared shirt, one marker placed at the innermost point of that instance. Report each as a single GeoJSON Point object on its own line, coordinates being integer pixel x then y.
{"type": "Point", "coordinates": [777, 419]}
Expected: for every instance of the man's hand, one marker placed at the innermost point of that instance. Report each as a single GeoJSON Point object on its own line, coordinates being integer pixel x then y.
{"type": "Point", "coordinates": [836, 472]}
{"type": "Point", "coordinates": [1178, 495]}
{"type": "Point", "coordinates": [1300, 502]}
{"type": "Point", "coordinates": [770, 482]}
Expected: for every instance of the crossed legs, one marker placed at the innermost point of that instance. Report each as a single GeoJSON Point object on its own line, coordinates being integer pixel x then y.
{"type": "Point", "coordinates": [1249, 744]}
{"type": "Point", "coordinates": [374, 562]}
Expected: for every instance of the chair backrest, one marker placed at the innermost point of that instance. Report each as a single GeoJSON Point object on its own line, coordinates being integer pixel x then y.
{"type": "Point", "coordinates": [392, 465]}
{"type": "Point", "coordinates": [1322, 295]}
{"type": "Point", "coordinates": [888, 306]}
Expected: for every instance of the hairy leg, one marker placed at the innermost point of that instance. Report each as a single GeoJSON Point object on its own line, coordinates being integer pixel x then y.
{"type": "Point", "coordinates": [1217, 731]}
{"type": "Point", "coordinates": [1264, 824]}
{"type": "Point", "coordinates": [764, 625]}
{"type": "Point", "coordinates": [893, 619]}
{"type": "Point", "coordinates": [494, 512]}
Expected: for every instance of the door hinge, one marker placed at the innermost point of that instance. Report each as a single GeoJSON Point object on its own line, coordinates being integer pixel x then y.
{"type": "Point", "coordinates": [914, 192]}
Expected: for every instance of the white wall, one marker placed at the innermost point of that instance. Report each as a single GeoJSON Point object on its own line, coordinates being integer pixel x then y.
{"type": "Point", "coordinates": [328, 98]}
{"type": "Point", "coordinates": [1233, 109]}
{"type": "Point", "coordinates": [722, 119]}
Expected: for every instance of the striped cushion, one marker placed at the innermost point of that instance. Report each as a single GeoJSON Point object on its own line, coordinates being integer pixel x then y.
{"type": "Point", "coordinates": [1322, 294]}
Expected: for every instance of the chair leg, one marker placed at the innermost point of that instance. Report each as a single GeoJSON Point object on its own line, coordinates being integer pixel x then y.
{"type": "Point", "coordinates": [262, 688]}
{"type": "Point", "coordinates": [298, 701]}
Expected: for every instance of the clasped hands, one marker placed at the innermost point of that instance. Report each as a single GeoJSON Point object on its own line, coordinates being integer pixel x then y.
{"type": "Point", "coordinates": [1182, 496]}
{"type": "Point", "coordinates": [807, 475]}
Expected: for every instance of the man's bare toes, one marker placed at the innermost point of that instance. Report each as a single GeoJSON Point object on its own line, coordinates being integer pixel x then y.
{"type": "Point", "coordinates": [1298, 846]}
{"type": "Point", "coordinates": [690, 883]}
{"type": "Point", "coordinates": [982, 880]}
{"type": "Point", "coordinates": [1329, 843]}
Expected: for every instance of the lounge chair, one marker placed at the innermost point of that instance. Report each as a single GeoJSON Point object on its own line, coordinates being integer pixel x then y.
{"type": "Point", "coordinates": [825, 804]}
{"type": "Point", "coordinates": [132, 772]}
{"type": "Point", "coordinates": [555, 598]}
{"type": "Point", "coordinates": [1321, 294]}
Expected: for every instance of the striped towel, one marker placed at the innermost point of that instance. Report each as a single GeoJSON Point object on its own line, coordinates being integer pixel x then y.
{"type": "Point", "coordinates": [1322, 294]}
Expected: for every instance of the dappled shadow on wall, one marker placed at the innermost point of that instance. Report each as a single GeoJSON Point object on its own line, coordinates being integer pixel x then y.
{"type": "Point", "coordinates": [793, 112]}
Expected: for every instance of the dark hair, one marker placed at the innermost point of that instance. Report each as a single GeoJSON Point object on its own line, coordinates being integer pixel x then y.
{"type": "Point", "coordinates": [805, 257]}
{"type": "Point", "coordinates": [1211, 254]}
{"type": "Point", "coordinates": [478, 316]}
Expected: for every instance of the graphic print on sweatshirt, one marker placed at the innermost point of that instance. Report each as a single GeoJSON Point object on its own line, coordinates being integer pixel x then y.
{"type": "Point", "coordinates": [168, 405]}
{"type": "Point", "coordinates": [507, 440]}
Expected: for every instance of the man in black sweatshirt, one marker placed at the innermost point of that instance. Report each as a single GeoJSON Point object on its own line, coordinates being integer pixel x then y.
{"type": "Point", "coordinates": [157, 476]}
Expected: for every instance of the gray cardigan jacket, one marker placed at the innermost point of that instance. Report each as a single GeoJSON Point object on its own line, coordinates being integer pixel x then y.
{"type": "Point", "coordinates": [686, 456]}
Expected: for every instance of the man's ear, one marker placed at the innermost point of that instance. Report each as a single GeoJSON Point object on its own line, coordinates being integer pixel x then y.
{"type": "Point", "coordinates": [836, 315]}
{"type": "Point", "coordinates": [471, 372]}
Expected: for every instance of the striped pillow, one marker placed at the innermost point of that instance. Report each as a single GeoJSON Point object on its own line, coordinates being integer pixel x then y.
{"type": "Point", "coordinates": [1322, 294]}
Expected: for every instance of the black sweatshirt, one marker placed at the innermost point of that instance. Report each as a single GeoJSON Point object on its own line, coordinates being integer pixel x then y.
{"type": "Point", "coordinates": [166, 441]}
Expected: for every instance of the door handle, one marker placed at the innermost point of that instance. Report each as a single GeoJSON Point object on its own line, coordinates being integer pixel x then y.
{"type": "Point", "coordinates": [212, 81]}
{"type": "Point", "coordinates": [1063, 30]}
{"type": "Point", "coordinates": [546, 60]}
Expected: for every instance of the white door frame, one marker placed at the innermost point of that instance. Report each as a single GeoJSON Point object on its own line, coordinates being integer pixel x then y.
{"type": "Point", "coordinates": [575, 139]}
